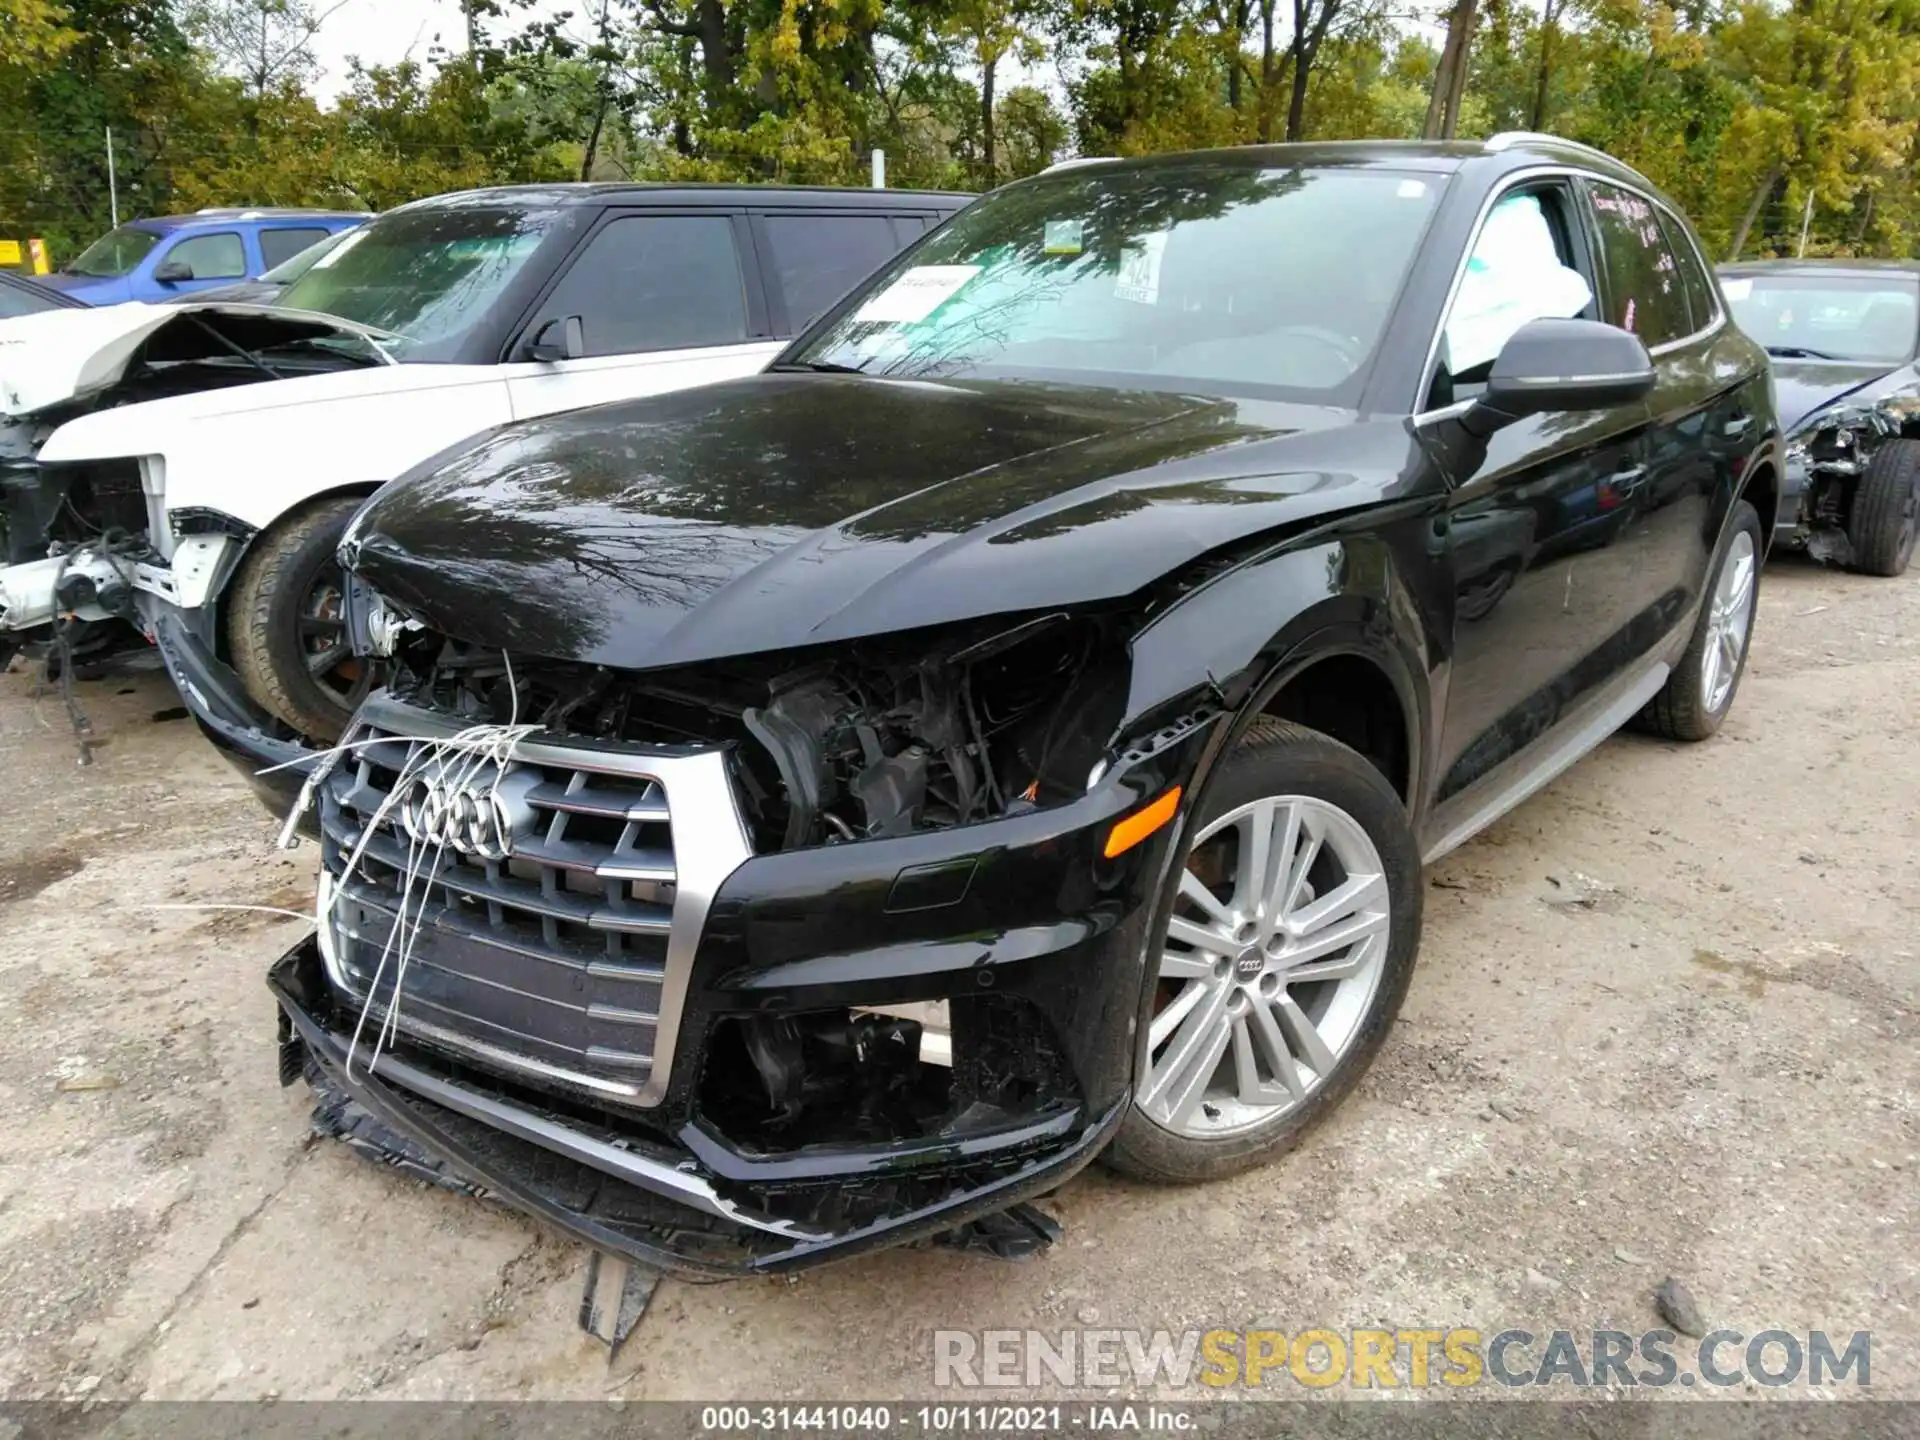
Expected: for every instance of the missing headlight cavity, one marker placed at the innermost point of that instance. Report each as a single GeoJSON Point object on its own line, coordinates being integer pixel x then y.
{"type": "Point", "coordinates": [979, 726]}
{"type": "Point", "coordinates": [863, 1076]}
{"type": "Point", "coordinates": [874, 738]}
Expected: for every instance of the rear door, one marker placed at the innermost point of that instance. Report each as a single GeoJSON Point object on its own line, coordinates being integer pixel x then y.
{"type": "Point", "coordinates": [665, 300]}
{"type": "Point", "coordinates": [813, 257]}
{"type": "Point", "coordinates": [1698, 396]}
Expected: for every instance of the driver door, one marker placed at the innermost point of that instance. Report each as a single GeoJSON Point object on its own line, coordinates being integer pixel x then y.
{"type": "Point", "coordinates": [1539, 602]}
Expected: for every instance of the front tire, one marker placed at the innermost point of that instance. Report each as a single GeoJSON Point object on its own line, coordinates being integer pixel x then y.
{"type": "Point", "coordinates": [286, 626]}
{"type": "Point", "coordinates": [1885, 518]}
{"type": "Point", "coordinates": [1699, 692]}
{"type": "Point", "coordinates": [1289, 949]}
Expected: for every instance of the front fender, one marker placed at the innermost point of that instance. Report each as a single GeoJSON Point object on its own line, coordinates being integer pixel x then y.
{"type": "Point", "coordinates": [1233, 642]}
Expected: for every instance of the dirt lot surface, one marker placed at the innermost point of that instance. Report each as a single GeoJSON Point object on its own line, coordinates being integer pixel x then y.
{"type": "Point", "coordinates": [1665, 1022]}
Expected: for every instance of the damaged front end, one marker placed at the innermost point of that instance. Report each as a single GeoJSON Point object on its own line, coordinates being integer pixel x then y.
{"type": "Point", "coordinates": [1829, 455]}
{"type": "Point", "coordinates": [750, 964]}
{"type": "Point", "coordinates": [78, 539]}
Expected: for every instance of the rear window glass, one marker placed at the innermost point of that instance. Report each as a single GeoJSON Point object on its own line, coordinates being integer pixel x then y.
{"type": "Point", "coordinates": [279, 246]}
{"type": "Point", "coordinates": [818, 258]}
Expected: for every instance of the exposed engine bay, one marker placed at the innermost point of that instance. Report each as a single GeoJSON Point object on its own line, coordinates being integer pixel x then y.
{"type": "Point", "coordinates": [882, 738]}
{"type": "Point", "coordinates": [72, 534]}
{"type": "Point", "coordinates": [184, 351]}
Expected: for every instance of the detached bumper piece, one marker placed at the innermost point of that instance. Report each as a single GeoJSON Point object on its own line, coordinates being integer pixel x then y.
{"type": "Point", "coordinates": [645, 1198]}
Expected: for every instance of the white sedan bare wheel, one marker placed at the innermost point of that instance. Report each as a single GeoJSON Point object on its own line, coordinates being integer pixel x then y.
{"type": "Point", "coordinates": [1273, 954]}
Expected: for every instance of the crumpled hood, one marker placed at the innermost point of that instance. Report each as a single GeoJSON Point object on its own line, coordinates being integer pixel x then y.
{"type": "Point", "coordinates": [786, 510]}
{"type": "Point", "coordinates": [62, 355]}
{"type": "Point", "coordinates": [1804, 387]}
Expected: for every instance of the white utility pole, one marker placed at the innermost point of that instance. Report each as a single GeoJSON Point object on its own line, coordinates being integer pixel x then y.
{"type": "Point", "coordinates": [1806, 219]}
{"type": "Point", "coordinates": [879, 169]}
{"type": "Point", "coordinates": [113, 184]}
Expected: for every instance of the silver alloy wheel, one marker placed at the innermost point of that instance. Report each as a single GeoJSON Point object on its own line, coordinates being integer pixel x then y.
{"type": "Point", "coordinates": [1729, 620]}
{"type": "Point", "coordinates": [1266, 986]}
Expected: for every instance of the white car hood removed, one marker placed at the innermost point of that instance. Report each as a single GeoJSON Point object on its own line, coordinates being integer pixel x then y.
{"type": "Point", "coordinates": [62, 355]}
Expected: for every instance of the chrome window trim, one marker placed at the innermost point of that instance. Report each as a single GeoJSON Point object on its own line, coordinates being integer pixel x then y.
{"type": "Point", "coordinates": [1530, 176]}
{"type": "Point", "coordinates": [710, 842]}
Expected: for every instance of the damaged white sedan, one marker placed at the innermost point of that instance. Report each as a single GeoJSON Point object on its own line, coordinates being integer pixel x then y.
{"type": "Point", "coordinates": [82, 531]}
{"type": "Point", "coordinates": [191, 468]}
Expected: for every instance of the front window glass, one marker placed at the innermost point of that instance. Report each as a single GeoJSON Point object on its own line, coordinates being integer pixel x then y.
{"type": "Point", "coordinates": [1828, 317]}
{"type": "Point", "coordinates": [114, 253]}
{"type": "Point", "coordinates": [1214, 277]}
{"type": "Point", "coordinates": [654, 282]}
{"type": "Point", "coordinates": [426, 276]}
{"type": "Point", "coordinates": [1518, 271]}
{"type": "Point", "coordinates": [210, 257]}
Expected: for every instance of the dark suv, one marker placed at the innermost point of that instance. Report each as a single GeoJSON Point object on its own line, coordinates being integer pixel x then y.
{"type": "Point", "coordinates": [821, 809]}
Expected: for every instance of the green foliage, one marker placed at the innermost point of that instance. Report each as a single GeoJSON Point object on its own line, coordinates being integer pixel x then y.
{"type": "Point", "coordinates": [1758, 116]}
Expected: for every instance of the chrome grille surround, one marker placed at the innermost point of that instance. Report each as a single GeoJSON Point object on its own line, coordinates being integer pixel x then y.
{"type": "Point", "coordinates": [632, 913]}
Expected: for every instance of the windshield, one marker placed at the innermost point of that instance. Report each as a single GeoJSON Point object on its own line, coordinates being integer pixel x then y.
{"type": "Point", "coordinates": [1207, 277]}
{"type": "Point", "coordinates": [427, 276]}
{"type": "Point", "coordinates": [1829, 317]}
{"type": "Point", "coordinates": [114, 253]}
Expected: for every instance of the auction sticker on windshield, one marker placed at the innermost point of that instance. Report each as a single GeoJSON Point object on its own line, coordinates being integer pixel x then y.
{"type": "Point", "coordinates": [1139, 278]}
{"type": "Point", "coordinates": [916, 294]}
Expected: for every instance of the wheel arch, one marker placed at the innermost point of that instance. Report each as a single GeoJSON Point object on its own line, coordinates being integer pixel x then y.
{"type": "Point", "coordinates": [1760, 488]}
{"type": "Point", "coordinates": [211, 624]}
{"type": "Point", "coordinates": [1261, 640]}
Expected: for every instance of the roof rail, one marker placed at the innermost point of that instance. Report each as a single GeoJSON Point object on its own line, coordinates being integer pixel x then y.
{"type": "Point", "coordinates": [1507, 139]}
{"type": "Point", "coordinates": [1074, 162]}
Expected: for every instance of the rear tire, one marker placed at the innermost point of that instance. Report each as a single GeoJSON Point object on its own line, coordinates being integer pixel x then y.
{"type": "Point", "coordinates": [1699, 692]}
{"type": "Point", "coordinates": [1348, 835]}
{"type": "Point", "coordinates": [1885, 518]}
{"type": "Point", "coordinates": [285, 627]}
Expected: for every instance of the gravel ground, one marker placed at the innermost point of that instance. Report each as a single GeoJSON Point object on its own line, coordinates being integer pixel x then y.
{"type": "Point", "coordinates": [1663, 1024]}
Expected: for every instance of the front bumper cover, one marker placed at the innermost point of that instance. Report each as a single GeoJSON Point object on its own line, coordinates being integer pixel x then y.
{"type": "Point", "coordinates": [243, 733]}
{"type": "Point", "coordinates": [652, 1203]}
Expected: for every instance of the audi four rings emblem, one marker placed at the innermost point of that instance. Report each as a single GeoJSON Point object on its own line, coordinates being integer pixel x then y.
{"type": "Point", "coordinates": [470, 813]}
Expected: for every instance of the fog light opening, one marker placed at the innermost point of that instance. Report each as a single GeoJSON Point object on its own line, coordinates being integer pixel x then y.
{"type": "Point", "coordinates": [935, 1022]}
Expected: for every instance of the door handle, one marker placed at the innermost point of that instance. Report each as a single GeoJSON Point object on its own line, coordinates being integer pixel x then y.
{"type": "Point", "coordinates": [1621, 486]}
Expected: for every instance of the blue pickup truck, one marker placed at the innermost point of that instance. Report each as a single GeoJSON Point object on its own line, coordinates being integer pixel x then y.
{"type": "Point", "coordinates": [176, 255]}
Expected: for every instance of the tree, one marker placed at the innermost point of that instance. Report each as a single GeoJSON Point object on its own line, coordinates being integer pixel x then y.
{"type": "Point", "coordinates": [1550, 13]}
{"type": "Point", "coordinates": [34, 33]}
{"type": "Point", "coordinates": [1311, 21]}
{"type": "Point", "coordinates": [990, 31]}
{"type": "Point", "coordinates": [266, 43]}
{"type": "Point", "coordinates": [1450, 77]}
{"type": "Point", "coordinates": [1033, 130]}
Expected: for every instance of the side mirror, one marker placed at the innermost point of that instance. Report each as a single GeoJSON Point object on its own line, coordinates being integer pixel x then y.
{"type": "Point", "coordinates": [172, 272]}
{"type": "Point", "coordinates": [558, 339]}
{"type": "Point", "coordinates": [1548, 366]}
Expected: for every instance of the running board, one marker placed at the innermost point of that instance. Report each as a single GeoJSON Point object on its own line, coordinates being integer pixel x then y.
{"type": "Point", "coordinates": [1561, 758]}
